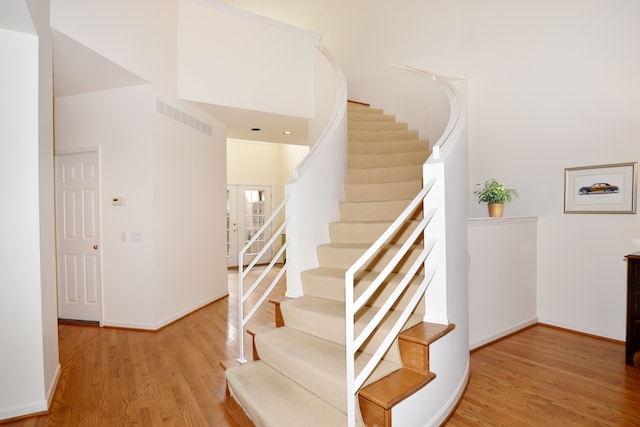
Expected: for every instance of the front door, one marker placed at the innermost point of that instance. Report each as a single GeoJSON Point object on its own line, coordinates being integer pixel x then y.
{"type": "Point", "coordinates": [248, 207]}
{"type": "Point", "coordinates": [78, 236]}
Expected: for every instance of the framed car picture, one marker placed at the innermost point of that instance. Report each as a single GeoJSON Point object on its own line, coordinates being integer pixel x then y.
{"type": "Point", "coordinates": [601, 189]}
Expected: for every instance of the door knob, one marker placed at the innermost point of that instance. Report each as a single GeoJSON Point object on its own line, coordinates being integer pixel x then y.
{"type": "Point", "coordinates": [95, 247]}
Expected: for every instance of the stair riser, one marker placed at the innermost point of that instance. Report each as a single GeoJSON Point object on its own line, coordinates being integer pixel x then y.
{"type": "Point", "coordinates": [376, 125]}
{"type": "Point", "coordinates": [379, 175]}
{"type": "Point", "coordinates": [345, 257]}
{"type": "Point", "coordinates": [385, 135]}
{"type": "Point", "coordinates": [363, 161]}
{"type": "Point", "coordinates": [367, 232]}
{"type": "Point", "coordinates": [363, 109]}
{"type": "Point", "coordinates": [329, 324]}
{"type": "Point", "coordinates": [375, 211]}
{"type": "Point", "coordinates": [331, 287]}
{"type": "Point", "coordinates": [388, 147]}
{"type": "Point", "coordinates": [383, 191]}
{"type": "Point", "coordinates": [354, 116]}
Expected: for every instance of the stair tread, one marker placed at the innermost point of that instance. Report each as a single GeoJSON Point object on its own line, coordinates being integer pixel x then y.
{"type": "Point", "coordinates": [324, 318]}
{"type": "Point", "coordinates": [426, 333]}
{"type": "Point", "coordinates": [314, 363]}
{"type": "Point", "coordinates": [395, 387]}
{"type": "Point", "coordinates": [328, 283]}
{"type": "Point", "coordinates": [388, 146]}
{"type": "Point", "coordinates": [254, 384]}
{"type": "Point", "coordinates": [384, 174]}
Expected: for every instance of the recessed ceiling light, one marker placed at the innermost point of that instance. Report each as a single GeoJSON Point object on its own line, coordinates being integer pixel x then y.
{"type": "Point", "coordinates": [256, 129]}
{"type": "Point", "coordinates": [287, 132]}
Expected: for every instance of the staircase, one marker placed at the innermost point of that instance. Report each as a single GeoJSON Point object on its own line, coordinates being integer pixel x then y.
{"type": "Point", "coordinates": [298, 377]}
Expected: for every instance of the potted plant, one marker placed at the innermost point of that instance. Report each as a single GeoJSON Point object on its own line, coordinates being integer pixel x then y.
{"type": "Point", "coordinates": [496, 195]}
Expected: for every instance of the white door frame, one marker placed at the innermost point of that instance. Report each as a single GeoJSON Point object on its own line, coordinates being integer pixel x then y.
{"type": "Point", "coordinates": [61, 152]}
{"type": "Point", "coordinates": [239, 225]}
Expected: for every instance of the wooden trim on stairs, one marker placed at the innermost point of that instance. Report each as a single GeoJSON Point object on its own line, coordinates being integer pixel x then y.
{"type": "Point", "coordinates": [378, 398]}
{"type": "Point", "coordinates": [279, 319]}
{"type": "Point", "coordinates": [358, 102]}
{"type": "Point", "coordinates": [414, 344]}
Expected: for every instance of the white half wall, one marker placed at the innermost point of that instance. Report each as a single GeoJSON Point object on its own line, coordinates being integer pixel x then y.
{"type": "Point", "coordinates": [502, 277]}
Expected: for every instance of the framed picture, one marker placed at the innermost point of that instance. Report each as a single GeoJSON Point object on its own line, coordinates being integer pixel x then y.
{"type": "Point", "coordinates": [601, 189]}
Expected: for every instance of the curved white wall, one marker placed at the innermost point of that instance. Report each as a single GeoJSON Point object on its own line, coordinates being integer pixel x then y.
{"type": "Point", "coordinates": [551, 85]}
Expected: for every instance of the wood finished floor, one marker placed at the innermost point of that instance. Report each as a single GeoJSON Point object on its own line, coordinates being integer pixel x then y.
{"type": "Point", "coordinates": [544, 376]}
{"type": "Point", "coordinates": [113, 377]}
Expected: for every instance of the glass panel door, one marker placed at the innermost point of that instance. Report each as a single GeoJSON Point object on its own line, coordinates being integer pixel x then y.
{"type": "Point", "coordinates": [248, 207]}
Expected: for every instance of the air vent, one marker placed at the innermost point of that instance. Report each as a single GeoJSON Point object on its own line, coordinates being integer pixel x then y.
{"type": "Point", "coordinates": [175, 114]}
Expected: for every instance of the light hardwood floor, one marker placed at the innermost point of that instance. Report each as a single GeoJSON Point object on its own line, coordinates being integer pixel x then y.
{"type": "Point", "coordinates": [115, 377]}
{"type": "Point", "coordinates": [544, 376]}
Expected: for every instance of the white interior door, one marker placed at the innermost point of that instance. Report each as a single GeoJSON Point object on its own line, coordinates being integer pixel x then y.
{"type": "Point", "coordinates": [248, 207]}
{"type": "Point", "coordinates": [78, 242]}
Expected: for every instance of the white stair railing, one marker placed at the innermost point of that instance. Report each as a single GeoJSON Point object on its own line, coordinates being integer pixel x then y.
{"type": "Point", "coordinates": [243, 296]}
{"type": "Point", "coordinates": [333, 135]}
{"type": "Point", "coordinates": [431, 259]}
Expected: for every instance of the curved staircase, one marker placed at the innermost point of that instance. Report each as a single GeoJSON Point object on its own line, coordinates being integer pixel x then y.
{"type": "Point", "coordinates": [299, 377]}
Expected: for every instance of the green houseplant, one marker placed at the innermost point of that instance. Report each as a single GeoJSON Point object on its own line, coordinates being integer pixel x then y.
{"type": "Point", "coordinates": [496, 195]}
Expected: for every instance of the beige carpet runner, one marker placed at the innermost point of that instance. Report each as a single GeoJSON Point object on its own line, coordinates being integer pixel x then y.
{"type": "Point", "coordinates": [300, 377]}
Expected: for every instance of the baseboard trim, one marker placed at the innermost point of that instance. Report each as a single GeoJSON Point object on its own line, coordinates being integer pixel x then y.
{"type": "Point", "coordinates": [53, 385]}
{"type": "Point", "coordinates": [585, 334]}
{"type": "Point", "coordinates": [452, 404]}
{"type": "Point", "coordinates": [155, 327]}
{"type": "Point", "coordinates": [26, 411]}
{"type": "Point", "coordinates": [502, 334]}
{"type": "Point", "coordinates": [584, 331]}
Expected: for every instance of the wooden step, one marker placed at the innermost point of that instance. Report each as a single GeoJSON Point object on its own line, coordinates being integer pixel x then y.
{"type": "Point", "coordinates": [378, 398]}
{"type": "Point", "coordinates": [414, 344]}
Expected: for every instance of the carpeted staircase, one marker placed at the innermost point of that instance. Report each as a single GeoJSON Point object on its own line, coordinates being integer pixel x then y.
{"type": "Point", "coordinates": [299, 379]}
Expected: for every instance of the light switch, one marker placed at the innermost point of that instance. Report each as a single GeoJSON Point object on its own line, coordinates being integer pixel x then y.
{"type": "Point", "coordinates": [117, 201]}
{"type": "Point", "coordinates": [136, 236]}
{"type": "Point", "coordinates": [123, 236]}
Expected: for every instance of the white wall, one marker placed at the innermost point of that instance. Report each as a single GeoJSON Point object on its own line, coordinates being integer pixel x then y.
{"type": "Point", "coordinates": [118, 122]}
{"type": "Point", "coordinates": [256, 162]}
{"type": "Point", "coordinates": [39, 11]}
{"type": "Point", "coordinates": [551, 85]}
{"type": "Point", "coordinates": [189, 211]}
{"type": "Point", "coordinates": [268, 66]}
{"type": "Point", "coordinates": [139, 36]}
{"type": "Point", "coordinates": [172, 176]}
{"type": "Point", "coordinates": [502, 277]}
{"type": "Point", "coordinates": [29, 365]}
